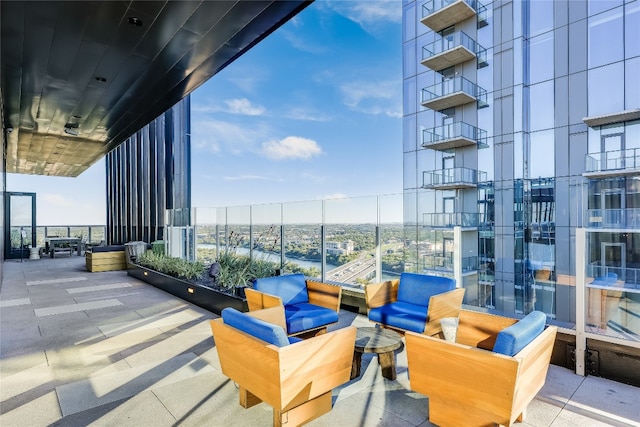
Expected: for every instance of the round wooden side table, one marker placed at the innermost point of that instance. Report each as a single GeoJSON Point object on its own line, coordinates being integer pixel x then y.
{"type": "Point", "coordinates": [382, 342]}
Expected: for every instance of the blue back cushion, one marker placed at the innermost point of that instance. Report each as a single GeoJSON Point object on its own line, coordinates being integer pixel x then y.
{"type": "Point", "coordinates": [292, 288]}
{"type": "Point", "coordinates": [516, 337]}
{"type": "Point", "coordinates": [418, 288]}
{"type": "Point", "coordinates": [273, 334]}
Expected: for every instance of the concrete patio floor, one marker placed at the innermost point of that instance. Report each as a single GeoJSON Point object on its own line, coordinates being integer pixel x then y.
{"type": "Point", "coordinates": [80, 348]}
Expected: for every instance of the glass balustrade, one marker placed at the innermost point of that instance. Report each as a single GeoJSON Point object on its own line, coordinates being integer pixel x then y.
{"type": "Point", "coordinates": [450, 220]}
{"type": "Point", "coordinates": [613, 162]}
{"type": "Point", "coordinates": [453, 92]}
{"type": "Point", "coordinates": [454, 135]}
{"type": "Point", "coordinates": [613, 218]}
{"type": "Point", "coordinates": [452, 178]}
{"type": "Point", "coordinates": [348, 241]}
{"type": "Point", "coordinates": [450, 50]}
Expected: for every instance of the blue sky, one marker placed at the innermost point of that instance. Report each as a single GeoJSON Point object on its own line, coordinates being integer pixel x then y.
{"type": "Point", "coordinates": [311, 112]}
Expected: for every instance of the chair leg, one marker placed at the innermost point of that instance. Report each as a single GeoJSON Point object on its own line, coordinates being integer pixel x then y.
{"type": "Point", "coordinates": [304, 413]}
{"type": "Point", "coordinates": [248, 399]}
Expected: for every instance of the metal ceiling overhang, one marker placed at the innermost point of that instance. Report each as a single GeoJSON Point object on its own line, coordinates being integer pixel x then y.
{"type": "Point", "coordinates": [80, 77]}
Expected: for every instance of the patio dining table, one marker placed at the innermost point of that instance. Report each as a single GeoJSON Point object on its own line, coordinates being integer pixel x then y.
{"type": "Point", "coordinates": [51, 243]}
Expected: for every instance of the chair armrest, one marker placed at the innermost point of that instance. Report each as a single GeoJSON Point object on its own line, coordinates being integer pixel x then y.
{"type": "Point", "coordinates": [480, 329]}
{"type": "Point", "coordinates": [447, 304]}
{"type": "Point", "coordinates": [324, 294]}
{"type": "Point", "coordinates": [469, 380]}
{"type": "Point", "coordinates": [379, 294]}
{"type": "Point", "coordinates": [273, 315]}
{"type": "Point", "coordinates": [257, 300]}
{"type": "Point", "coordinates": [316, 365]}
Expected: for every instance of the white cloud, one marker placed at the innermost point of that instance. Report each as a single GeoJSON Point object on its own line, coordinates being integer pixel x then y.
{"type": "Point", "coordinates": [302, 45]}
{"type": "Point", "coordinates": [291, 147]}
{"type": "Point", "coordinates": [373, 97]}
{"type": "Point", "coordinates": [240, 106]}
{"type": "Point", "coordinates": [217, 135]}
{"type": "Point", "coordinates": [251, 178]}
{"type": "Point", "coordinates": [369, 14]}
{"type": "Point", "coordinates": [302, 114]}
{"type": "Point", "coordinates": [244, 106]}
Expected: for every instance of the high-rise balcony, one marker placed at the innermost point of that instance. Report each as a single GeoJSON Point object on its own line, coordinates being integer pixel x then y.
{"type": "Point", "coordinates": [444, 264]}
{"type": "Point", "coordinates": [449, 179]}
{"type": "Point", "coordinates": [454, 135]}
{"type": "Point", "coordinates": [613, 163]}
{"type": "Point", "coordinates": [453, 49]}
{"type": "Point", "coordinates": [613, 218]}
{"type": "Point", "coordinates": [468, 220]}
{"type": "Point", "coordinates": [452, 93]}
{"type": "Point", "coordinates": [440, 14]}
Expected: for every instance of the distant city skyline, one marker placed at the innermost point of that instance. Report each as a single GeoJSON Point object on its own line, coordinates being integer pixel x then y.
{"type": "Point", "coordinates": [311, 112]}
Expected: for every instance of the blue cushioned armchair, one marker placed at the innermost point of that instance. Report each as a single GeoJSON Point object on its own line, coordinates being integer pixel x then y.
{"type": "Point", "coordinates": [309, 306]}
{"type": "Point", "coordinates": [294, 376]}
{"type": "Point", "coordinates": [489, 375]}
{"type": "Point", "coordinates": [415, 302]}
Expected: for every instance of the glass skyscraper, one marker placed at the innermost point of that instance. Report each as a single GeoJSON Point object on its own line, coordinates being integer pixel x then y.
{"type": "Point", "coordinates": [522, 131]}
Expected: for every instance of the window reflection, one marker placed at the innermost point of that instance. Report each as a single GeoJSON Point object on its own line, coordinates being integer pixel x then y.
{"type": "Point", "coordinates": [606, 38]}
{"type": "Point", "coordinates": [541, 96]}
{"type": "Point", "coordinates": [606, 89]}
{"type": "Point", "coordinates": [541, 54]}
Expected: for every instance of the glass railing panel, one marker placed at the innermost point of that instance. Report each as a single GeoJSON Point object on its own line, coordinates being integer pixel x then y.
{"type": "Point", "coordinates": [449, 220]}
{"type": "Point", "coordinates": [391, 230]}
{"type": "Point", "coordinates": [469, 264]}
{"type": "Point", "coordinates": [207, 227]}
{"type": "Point", "coordinates": [613, 218]}
{"type": "Point", "coordinates": [302, 237]}
{"type": "Point", "coordinates": [432, 6]}
{"type": "Point", "coordinates": [622, 160]}
{"type": "Point", "coordinates": [450, 177]}
{"type": "Point", "coordinates": [449, 42]}
{"type": "Point", "coordinates": [450, 86]}
{"type": "Point", "coordinates": [453, 131]}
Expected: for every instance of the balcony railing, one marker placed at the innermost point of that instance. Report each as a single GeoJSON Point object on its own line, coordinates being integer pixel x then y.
{"type": "Point", "coordinates": [450, 220]}
{"type": "Point", "coordinates": [440, 14]}
{"type": "Point", "coordinates": [454, 135]}
{"type": "Point", "coordinates": [614, 277]}
{"type": "Point", "coordinates": [444, 263]}
{"type": "Point", "coordinates": [447, 179]}
{"type": "Point", "coordinates": [347, 241]}
{"type": "Point", "coordinates": [613, 163]}
{"type": "Point", "coordinates": [452, 93]}
{"type": "Point", "coordinates": [450, 50]}
{"type": "Point", "coordinates": [613, 218]}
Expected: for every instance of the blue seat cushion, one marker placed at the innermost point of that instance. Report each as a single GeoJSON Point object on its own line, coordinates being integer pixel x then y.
{"type": "Point", "coordinates": [292, 288]}
{"type": "Point", "coordinates": [516, 337]}
{"type": "Point", "coordinates": [419, 288]}
{"type": "Point", "coordinates": [303, 316]}
{"type": "Point", "coordinates": [273, 334]}
{"type": "Point", "coordinates": [399, 314]}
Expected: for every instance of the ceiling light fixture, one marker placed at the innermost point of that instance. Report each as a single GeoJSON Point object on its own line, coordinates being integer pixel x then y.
{"type": "Point", "coordinates": [100, 79]}
{"type": "Point", "coordinates": [134, 21]}
{"type": "Point", "coordinates": [70, 131]}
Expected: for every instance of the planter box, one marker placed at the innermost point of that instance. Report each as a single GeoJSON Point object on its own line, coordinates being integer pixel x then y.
{"type": "Point", "coordinates": [207, 298]}
{"type": "Point", "coordinates": [105, 258]}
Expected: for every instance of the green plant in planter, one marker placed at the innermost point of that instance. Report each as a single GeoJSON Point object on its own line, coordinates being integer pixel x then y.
{"type": "Point", "coordinates": [175, 267]}
{"type": "Point", "coordinates": [236, 270]}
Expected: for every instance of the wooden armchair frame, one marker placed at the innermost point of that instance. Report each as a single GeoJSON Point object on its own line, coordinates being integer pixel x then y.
{"type": "Point", "coordinates": [296, 380]}
{"type": "Point", "coordinates": [469, 385]}
{"type": "Point", "coordinates": [443, 305]}
{"type": "Point", "coordinates": [322, 294]}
